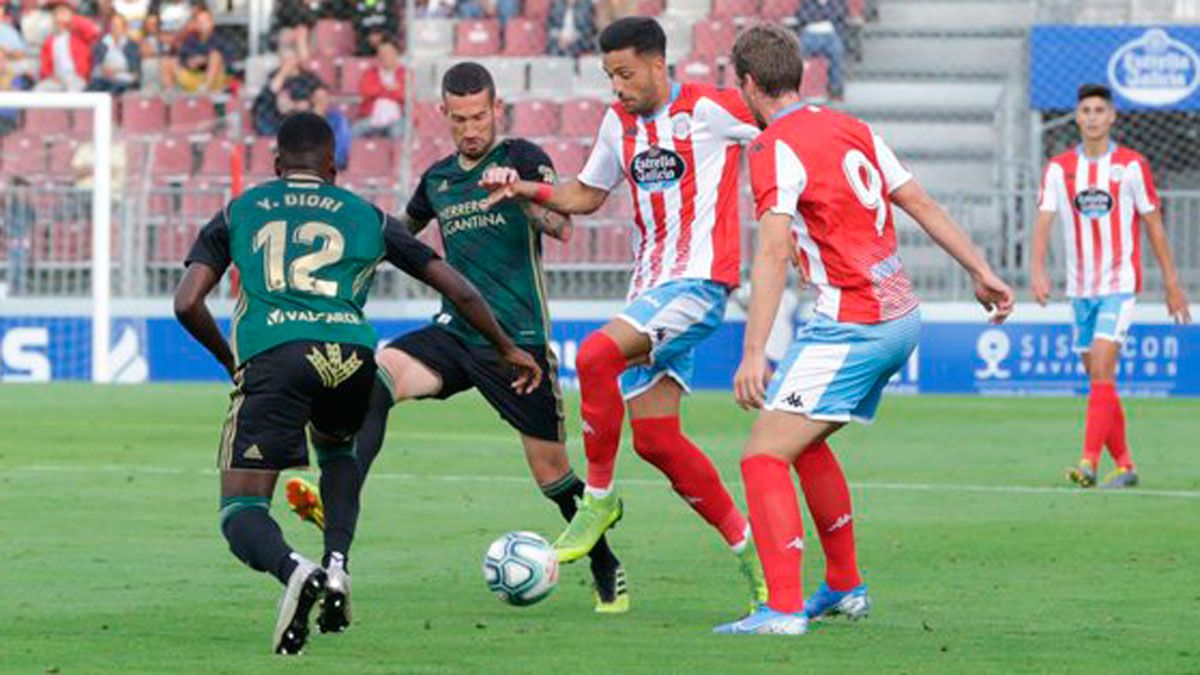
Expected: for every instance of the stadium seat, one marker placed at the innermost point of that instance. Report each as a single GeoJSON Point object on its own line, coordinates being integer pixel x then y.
{"type": "Point", "coordinates": [533, 119]}
{"type": "Point", "coordinates": [172, 158]}
{"type": "Point", "coordinates": [734, 8]}
{"type": "Point", "coordinates": [352, 70]}
{"type": "Point", "coordinates": [591, 80]}
{"type": "Point", "coordinates": [568, 156]}
{"type": "Point", "coordinates": [700, 71]}
{"type": "Point", "coordinates": [690, 8]}
{"type": "Point", "coordinates": [538, 10]}
{"type": "Point", "coordinates": [679, 30]}
{"type": "Point", "coordinates": [776, 10]}
{"type": "Point", "coordinates": [816, 78]}
{"type": "Point", "coordinates": [334, 38]}
{"type": "Point", "coordinates": [549, 76]}
{"type": "Point", "coordinates": [432, 37]}
{"type": "Point", "coordinates": [201, 201]}
{"type": "Point", "coordinates": [649, 8]}
{"type": "Point", "coordinates": [426, 150]}
{"type": "Point", "coordinates": [262, 157]}
{"type": "Point", "coordinates": [477, 37]}
{"type": "Point", "coordinates": [612, 241]}
{"type": "Point", "coordinates": [713, 38]}
{"type": "Point", "coordinates": [61, 154]}
{"type": "Point", "coordinates": [24, 154]}
{"type": "Point", "coordinates": [193, 114]}
{"type": "Point", "coordinates": [524, 37]}
{"type": "Point", "coordinates": [215, 163]}
{"type": "Point", "coordinates": [428, 119]}
{"type": "Point", "coordinates": [327, 70]}
{"type": "Point", "coordinates": [45, 122]}
{"type": "Point", "coordinates": [582, 117]}
{"type": "Point", "coordinates": [371, 161]}
{"type": "Point", "coordinates": [508, 74]}
{"type": "Point", "coordinates": [143, 113]}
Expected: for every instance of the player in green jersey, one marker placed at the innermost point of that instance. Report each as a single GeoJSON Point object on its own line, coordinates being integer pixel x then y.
{"type": "Point", "coordinates": [302, 356]}
{"type": "Point", "coordinates": [500, 251]}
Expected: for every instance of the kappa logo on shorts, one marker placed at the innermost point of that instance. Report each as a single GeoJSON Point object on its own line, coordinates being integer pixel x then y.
{"type": "Point", "coordinates": [660, 334]}
{"type": "Point", "coordinates": [794, 400]}
{"type": "Point", "coordinates": [330, 365]}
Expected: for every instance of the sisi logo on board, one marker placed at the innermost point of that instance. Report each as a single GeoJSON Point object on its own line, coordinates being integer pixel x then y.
{"type": "Point", "coordinates": [1155, 69]}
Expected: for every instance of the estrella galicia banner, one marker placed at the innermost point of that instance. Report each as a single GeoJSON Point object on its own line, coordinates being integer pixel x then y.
{"type": "Point", "coordinates": [1147, 67]}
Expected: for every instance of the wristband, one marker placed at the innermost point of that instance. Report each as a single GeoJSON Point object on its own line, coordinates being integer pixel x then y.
{"type": "Point", "coordinates": [544, 193]}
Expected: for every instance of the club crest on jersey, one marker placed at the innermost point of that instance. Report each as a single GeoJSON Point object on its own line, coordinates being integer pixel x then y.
{"type": "Point", "coordinates": [1093, 203]}
{"type": "Point", "coordinates": [1116, 172]}
{"type": "Point", "coordinates": [681, 126]}
{"type": "Point", "coordinates": [657, 169]}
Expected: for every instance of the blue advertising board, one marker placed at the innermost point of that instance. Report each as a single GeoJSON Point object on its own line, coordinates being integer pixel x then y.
{"type": "Point", "coordinates": [1148, 68]}
{"type": "Point", "coordinates": [953, 357]}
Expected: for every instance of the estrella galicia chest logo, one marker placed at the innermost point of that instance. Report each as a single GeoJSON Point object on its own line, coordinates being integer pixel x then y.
{"type": "Point", "coordinates": [1094, 203]}
{"type": "Point", "coordinates": [1155, 69]}
{"type": "Point", "coordinates": [657, 169]}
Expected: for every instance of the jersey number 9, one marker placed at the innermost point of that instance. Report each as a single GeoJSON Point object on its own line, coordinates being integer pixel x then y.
{"type": "Point", "coordinates": [867, 185]}
{"type": "Point", "coordinates": [272, 239]}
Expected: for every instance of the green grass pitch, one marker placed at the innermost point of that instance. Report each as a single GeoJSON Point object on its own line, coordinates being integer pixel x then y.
{"type": "Point", "coordinates": [979, 558]}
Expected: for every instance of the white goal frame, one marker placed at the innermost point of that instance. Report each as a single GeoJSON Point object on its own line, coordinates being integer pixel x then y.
{"type": "Point", "coordinates": [101, 107]}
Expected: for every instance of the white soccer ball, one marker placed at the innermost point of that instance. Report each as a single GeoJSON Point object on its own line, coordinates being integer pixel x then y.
{"type": "Point", "coordinates": [521, 568]}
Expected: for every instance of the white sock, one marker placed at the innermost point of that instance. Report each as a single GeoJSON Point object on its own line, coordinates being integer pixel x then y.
{"type": "Point", "coordinates": [598, 493]}
{"type": "Point", "coordinates": [740, 547]}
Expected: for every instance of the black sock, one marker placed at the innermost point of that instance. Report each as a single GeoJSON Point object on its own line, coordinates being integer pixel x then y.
{"type": "Point", "coordinates": [255, 538]}
{"type": "Point", "coordinates": [340, 485]}
{"type": "Point", "coordinates": [369, 440]}
{"type": "Point", "coordinates": [564, 492]}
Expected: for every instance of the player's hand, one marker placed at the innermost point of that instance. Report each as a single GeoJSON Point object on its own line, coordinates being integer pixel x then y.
{"type": "Point", "coordinates": [750, 382]}
{"type": "Point", "coordinates": [529, 373]}
{"type": "Point", "coordinates": [1039, 283]}
{"type": "Point", "coordinates": [995, 296]}
{"type": "Point", "coordinates": [501, 183]}
{"type": "Point", "coordinates": [1177, 305]}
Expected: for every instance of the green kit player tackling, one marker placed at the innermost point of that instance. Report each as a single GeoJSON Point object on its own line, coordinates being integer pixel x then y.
{"type": "Point", "coordinates": [302, 356]}
{"type": "Point", "coordinates": [499, 250]}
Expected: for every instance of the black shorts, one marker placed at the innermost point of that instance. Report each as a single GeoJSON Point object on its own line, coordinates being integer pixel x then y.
{"type": "Point", "coordinates": [279, 392]}
{"type": "Point", "coordinates": [538, 414]}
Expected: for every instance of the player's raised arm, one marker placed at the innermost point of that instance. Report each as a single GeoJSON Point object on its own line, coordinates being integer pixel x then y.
{"type": "Point", "coordinates": [990, 290]}
{"type": "Point", "coordinates": [421, 262]}
{"type": "Point", "coordinates": [206, 263]}
{"type": "Point", "coordinates": [571, 197]}
{"type": "Point", "coordinates": [768, 277]}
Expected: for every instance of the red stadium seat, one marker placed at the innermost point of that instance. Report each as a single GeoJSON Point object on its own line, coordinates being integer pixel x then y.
{"type": "Point", "coordinates": [326, 69]}
{"type": "Point", "coordinates": [24, 154]}
{"type": "Point", "coordinates": [612, 242]}
{"type": "Point", "coordinates": [215, 163]}
{"type": "Point", "coordinates": [193, 114]}
{"type": "Point", "coordinates": [426, 150]}
{"type": "Point", "coordinates": [352, 73]}
{"type": "Point", "coordinates": [533, 119]}
{"type": "Point", "coordinates": [700, 71]}
{"type": "Point", "coordinates": [538, 9]}
{"type": "Point", "coordinates": [145, 114]}
{"type": "Point", "coordinates": [172, 158]}
{"type": "Point", "coordinates": [775, 10]}
{"type": "Point", "coordinates": [525, 37]}
{"type": "Point", "coordinates": [713, 38]}
{"type": "Point", "coordinates": [371, 161]}
{"type": "Point", "coordinates": [47, 121]}
{"type": "Point", "coordinates": [428, 119]}
{"type": "Point", "coordinates": [61, 154]}
{"type": "Point", "coordinates": [582, 117]}
{"type": "Point", "coordinates": [262, 157]}
{"type": "Point", "coordinates": [650, 7]}
{"type": "Point", "coordinates": [568, 156]}
{"type": "Point", "coordinates": [201, 201]}
{"type": "Point", "coordinates": [816, 78]}
{"type": "Point", "coordinates": [335, 38]}
{"type": "Point", "coordinates": [734, 8]}
{"type": "Point", "coordinates": [477, 37]}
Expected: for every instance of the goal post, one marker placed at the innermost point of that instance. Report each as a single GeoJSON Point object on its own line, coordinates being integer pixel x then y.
{"type": "Point", "coordinates": [100, 107]}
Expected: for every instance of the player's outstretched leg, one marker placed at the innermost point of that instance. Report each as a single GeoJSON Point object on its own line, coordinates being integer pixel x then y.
{"type": "Point", "coordinates": [599, 363]}
{"type": "Point", "coordinates": [612, 593]}
{"type": "Point", "coordinates": [828, 498]}
{"type": "Point", "coordinates": [661, 442]}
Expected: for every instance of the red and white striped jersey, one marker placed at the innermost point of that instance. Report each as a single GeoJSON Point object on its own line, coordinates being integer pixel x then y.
{"type": "Point", "coordinates": [1098, 202]}
{"type": "Point", "coordinates": [833, 176]}
{"type": "Point", "coordinates": [681, 166]}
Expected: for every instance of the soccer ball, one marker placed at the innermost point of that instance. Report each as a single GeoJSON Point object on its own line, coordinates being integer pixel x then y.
{"type": "Point", "coordinates": [521, 568]}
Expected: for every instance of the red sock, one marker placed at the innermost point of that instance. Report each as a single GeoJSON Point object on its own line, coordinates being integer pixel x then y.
{"type": "Point", "coordinates": [1100, 413]}
{"type": "Point", "coordinates": [828, 498]}
{"type": "Point", "coordinates": [660, 441]}
{"type": "Point", "coordinates": [600, 364]}
{"type": "Point", "coordinates": [778, 530]}
{"type": "Point", "coordinates": [1117, 446]}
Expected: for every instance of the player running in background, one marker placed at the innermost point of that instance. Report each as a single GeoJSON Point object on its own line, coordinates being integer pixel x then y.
{"type": "Point", "coordinates": [1098, 192]}
{"type": "Point", "coordinates": [500, 251]}
{"type": "Point", "coordinates": [302, 356]}
{"type": "Point", "coordinates": [678, 148]}
{"type": "Point", "coordinates": [823, 185]}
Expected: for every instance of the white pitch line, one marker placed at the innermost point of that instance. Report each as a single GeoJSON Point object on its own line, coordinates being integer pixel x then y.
{"type": "Point", "coordinates": [640, 482]}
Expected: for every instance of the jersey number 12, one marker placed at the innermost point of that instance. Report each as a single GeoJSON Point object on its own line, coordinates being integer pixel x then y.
{"type": "Point", "coordinates": [272, 239]}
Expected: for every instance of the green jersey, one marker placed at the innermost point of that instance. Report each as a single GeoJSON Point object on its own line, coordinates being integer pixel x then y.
{"type": "Point", "coordinates": [497, 249]}
{"type": "Point", "coordinates": [307, 252]}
